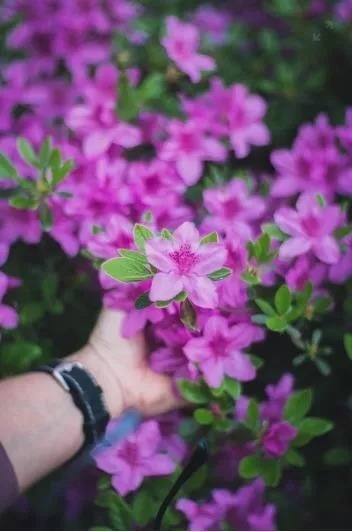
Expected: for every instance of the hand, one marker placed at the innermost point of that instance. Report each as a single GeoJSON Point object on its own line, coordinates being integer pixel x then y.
{"type": "Point", "coordinates": [120, 368]}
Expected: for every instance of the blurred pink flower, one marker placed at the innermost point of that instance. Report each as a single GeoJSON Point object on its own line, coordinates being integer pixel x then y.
{"type": "Point", "coordinates": [218, 351]}
{"type": "Point", "coordinates": [181, 43]}
{"type": "Point", "coordinates": [310, 228]}
{"type": "Point", "coordinates": [134, 458]}
{"type": "Point", "coordinates": [277, 438]}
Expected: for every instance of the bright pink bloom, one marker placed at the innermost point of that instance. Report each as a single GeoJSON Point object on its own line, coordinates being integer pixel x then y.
{"type": "Point", "coordinates": [277, 438]}
{"type": "Point", "coordinates": [181, 44]}
{"type": "Point", "coordinates": [203, 516]}
{"type": "Point", "coordinates": [136, 457]}
{"type": "Point", "coordinates": [310, 228]}
{"type": "Point", "coordinates": [277, 394]}
{"type": "Point", "coordinates": [213, 22]}
{"type": "Point", "coordinates": [232, 205]}
{"type": "Point", "coordinates": [8, 316]}
{"type": "Point", "coordinates": [218, 351]}
{"type": "Point", "coordinates": [188, 146]}
{"type": "Point", "coordinates": [184, 264]}
{"type": "Point", "coordinates": [304, 270]}
{"type": "Point", "coordinates": [342, 271]}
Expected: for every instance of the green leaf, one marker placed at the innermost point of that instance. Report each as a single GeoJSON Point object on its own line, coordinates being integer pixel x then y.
{"type": "Point", "coordinates": [347, 341]}
{"type": "Point", "coordinates": [31, 312]}
{"type": "Point", "coordinates": [127, 106]}
{"type": "Point", "coordinates": [320, 200]}
{"type": "Point", "coordinates": [180, 297]}
{"type": "Point", "coordinates": [232, 387]}
{"type": "Point", "coordinates": [143, 507]}
{"type": "Point", "coordinates": [104, 482]}
{"type": "Point", "coordinates": [265, 307]}
{"type": "Point", "coordinates": [26, 151]}
{"type": "Point", "coordinates": [322, 304]}
{"type": "Point", "coordinates": [283, 299]}
{"type": "Point", "coordinates": [55, 158]}
{"type": "Point", "coordinates": [250, 466]}
{"type": "Point", "coordinates": [151, 89]}
{"type": "Point", "coordinates": [23, 202]}
{"type": "Point", "coordinates": [250, 278]}
{"type": "Point", "coordinates": [252, 418]}
{"type": "Point", "coordinates": [133, 255]}
{"type": "Point", "coordinates": [46, 217]}
{"type": "Point", "coordinates": [7, 169]}
{"type": "Point", "coordinates": [141, 234]}
{"type": "Point", "coordinates": [298, 405]}
{"type": "Point", "coordinates": [274, 231]}
{"type": "Point", "coordinates": [342, 232]}
{"type": "Point", "coordinates": [211, 237]}
{"type": "Point", "coordinates": [45, 152]}
{"type": "Point", "coordinates": [315, 426]}
{"type": "Point", "coordinates": [276, 324]}
{"type": "Point", "coordinates": [270, 470]}
{"type": "Point", "coordinates": [203, 416]}
{"type": "Point", "coordinates": [100, 527]}
{"type": "Point", "coordinates": [125, 270]}
{"type": "Point", "coordinates": [257, 362]}
{"type": "Point", "coordinates": [165, 233]}
{"type": "Point", "coordinates": [143, 301]}
{"type": "Point", "coordinates": [259, 319]}
{"type": "Point", "coordinates": [323, 367]}
{"type": "Point", "coordinates": [59, 173]}
{"type": "Point", "coordinates": [338, 456]}
{"type": "Point", "coordinates": [295, 458]}
{"type": "Point", "coordinates": [220, 274]}
{"type": "Point", "coordinates": [298, 360]}
{"type": "Point", "coordinates": [193, 392]}
{"type": "Point", "coordinates": [119, 511]}
{"type": "Point", "coordinates": [188, 315]}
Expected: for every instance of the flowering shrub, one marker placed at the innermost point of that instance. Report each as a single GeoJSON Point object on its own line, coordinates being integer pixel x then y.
{"type": "Point", "coordinates": [190, 165]}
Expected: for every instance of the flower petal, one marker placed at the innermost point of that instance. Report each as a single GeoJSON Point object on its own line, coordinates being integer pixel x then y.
{"type": "Point", "coordinates": [201, 291]}
{"type": "Point", "coordinates": [190, 168]}
{"type": "Point", "coordinates": [165, 286]}
{"type": "Point", "coordinates": [239, 366]}
{"type": "Point", "coordinates": [186, 232]}
{"type": "Point", "coordinates": [288, 221]}
{"type": "Point", "coordinates": [327, 250]}
{"type": "Point", "coordinates": [212, 258]}
{"type": "Point", "coordinates": [160, 464]}
{"type": "Point", "coordinates": [293, 247]}
{"type": "Point", "coordinates": [157, 251]}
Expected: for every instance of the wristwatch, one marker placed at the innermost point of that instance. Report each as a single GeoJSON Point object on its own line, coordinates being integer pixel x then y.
{"type": "Point", "coordinates": [86, 394]}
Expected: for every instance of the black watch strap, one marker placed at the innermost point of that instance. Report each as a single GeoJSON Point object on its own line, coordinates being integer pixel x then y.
{"type": "Point", "coordinates": [86, 394]}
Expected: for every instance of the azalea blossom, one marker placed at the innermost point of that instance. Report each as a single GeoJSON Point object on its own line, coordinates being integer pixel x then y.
{"type": "Point", "coordinates": [277, 438]}
{"type": "Point", "coordinates": [134, 458]}
{"type": "Point", "coordinates": [218, 351]}
{"type": "Point", "coordinates": [310, 228]}
{"type": "Point", "coordinates": [181, 44]}
{"type": "Point", "coordinates": [184, 264]}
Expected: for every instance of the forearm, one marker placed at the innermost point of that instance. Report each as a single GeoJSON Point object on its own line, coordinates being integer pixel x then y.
{"type": "Point", "coordinates": [40, 427]}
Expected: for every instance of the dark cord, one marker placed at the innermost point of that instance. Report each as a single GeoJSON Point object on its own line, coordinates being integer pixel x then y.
{"type": "Point", "coordinates": [198, 458]}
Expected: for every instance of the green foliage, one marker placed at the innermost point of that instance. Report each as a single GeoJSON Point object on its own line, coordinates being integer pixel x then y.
{"type": "Point", "coordinates": [126, 270]}
{"type": "Point", "coordinates": [141, 234]}
{"type": "Point", "coordinates": [347, 340]}
{"type": "Point", "coordinates": [119, 512]}
{"type": "Point", "coordinates": [210, 238]}
{"type": "Point", "coordinates": [255, 465]}
{"type": "Point", "coordinates": [298, 405]}
{"type": "Point", "coordinates": [193, 392]}
{"type": "Point", "coordinates": [252, 418]}
{"type": "Point", "coordinates": [220, 274]}
{"type": "Point", "coordinates": [188, 315]}
{"type": "Point", "coordinates": [203, 416]}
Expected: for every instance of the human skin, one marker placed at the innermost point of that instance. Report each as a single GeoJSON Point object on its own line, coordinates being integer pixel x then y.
{"type": "Point", "coordinates": [41, 428]}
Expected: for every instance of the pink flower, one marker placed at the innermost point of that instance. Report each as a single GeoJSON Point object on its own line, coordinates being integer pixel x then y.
{"type": "Point", "coordinates": [189, 146]}
{"type": "Point", "coordinates": [136, 457]}
{"type": "Point", "coordinates": [310, 227]}
{"type": "Point", "coordinates": [184, 264]}
{"type": "Point", "coordinates": [277, 394]}
{"type": "Point", "coordinates": [277, 438]}
{"type": "Point", "coordinates": [218, 351]}
{"type": "Point", "coordinates": [212, 21]}
{"type": "Point", "coordinates": [181, 44]}
{"type": "Point", "coordinates": [232, 204]}
{"type": "Point", "coordinates": [8, 316]}
{"type": "Point", "coordinates": [203, 516]}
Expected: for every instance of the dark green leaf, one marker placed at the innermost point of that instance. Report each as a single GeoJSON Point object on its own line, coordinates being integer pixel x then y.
{"type": "Point", "coordinates": [193, 392]}
{"type": "Point", "coordinates": [55, 158]}
{"type": "Point", "coordinates": [45, 152]}
{"type": "Point", "coordinates": [295, 458]}
{"type": "Point", "coordinates": [265, 307]}
{"type": "Point", "coordinates": [31, 312]}
{"type": "Point", "coordinates": [7, 169]}
{"type": "Point", "coordinates": [143, 301]}
{"type": "Point", "coordinates": [203, 416]}
{"type": "Point", "coordinates": [298, 360]}
{"type": "Point", "coordinates": [323, 367]}
{"type": "Point", "coordinates": [125, 270]}
{"type": "Point", "coordinates": [283, 299]}
{"type": "Point", "coordinates": [211, 237]}
{"type": "Point", "coordinates": [257, 362]}
{"type": "Point", "coordinates": [220, 274]}
{"type": "Point", "coordinates": [270, 470]}
{"type": "Point", "coordinates": [342, 232]}
{"type": "Point", "coordinates": [188, 315]}
{"type": "Point", "coordinates": [26, 151]}
{"type": "Point", "coordinates": [347, 340]}
{"type": "Point", "coordinates": [119, 512]}
{"type": "Point", "coordinates": [166, 234]}
{"type": "Point", "coordinates": [23, 202]}
{"type": "Point", "coordinates": [252, 418]}
{"type": "Point", "coordinates": [143, 507]}
{"type": "Point", "coordinates": [250, 466]}
{"type": "Point", "coordinates": [250, 278]}
{"type": "Point", "coordinates": [315, 426]}
{"type": "Point", "coordinates": [274, 231]}
{"type": "Point", "coordinates": [298, 405]}
{"type": "Point", "coordinates": [276, 324]}
{"type": "Point", "coordinates": [322, 304]}
{"type": "Point", "coordinates": [127, 106]}
{"type": "Point", "coordinates": [338, 456]}
{"type": "Point", "coordinates": [232, 387]}
{"type": "Point", "coordinates": [59, 173]}
{"type": "Point", "coordinates": [141, 234]}
{"type": "Point", "coordinates": [46, 217]}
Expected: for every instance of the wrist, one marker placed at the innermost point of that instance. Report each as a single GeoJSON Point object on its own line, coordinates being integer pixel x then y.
{"type": "Point", "coordinates": [99, 369]}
